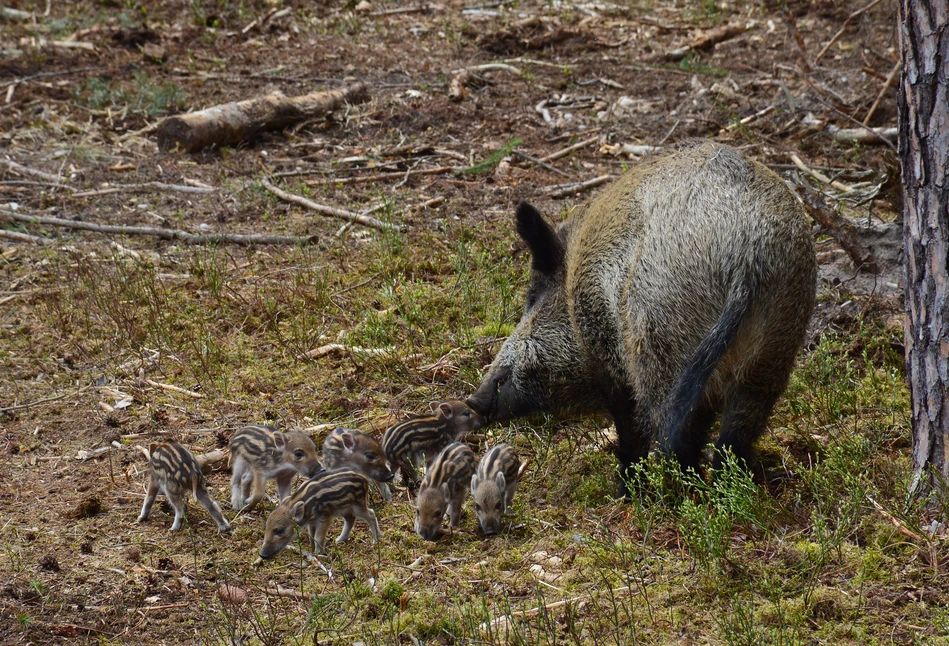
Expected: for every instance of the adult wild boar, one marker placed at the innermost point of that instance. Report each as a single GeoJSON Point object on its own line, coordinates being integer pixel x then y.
{"type": "Point", "coordinates": [682, 291]}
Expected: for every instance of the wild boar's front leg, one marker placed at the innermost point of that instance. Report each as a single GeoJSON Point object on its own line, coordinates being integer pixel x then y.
{"type": "Point", "coordinates": [318, 533]}
{"type": "Point", "coordinates": [455, 508]}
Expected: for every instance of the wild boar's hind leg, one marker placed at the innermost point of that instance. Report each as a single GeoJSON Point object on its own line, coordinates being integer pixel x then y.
{"type": "Point", "coordinates": [204, 498]}
{"type": "Point", "coordinates": [687, 445]}
{"type": "Point", "coordinates": [149, 499]}
{"type": "Point", "coordinates": [744, 418]}
{"type": "Point", "coordinates": [369, 516]}
{"type": "Point", "coordinates": [348, 520]}
{"type": "Point", "coordinates": [633, 438]}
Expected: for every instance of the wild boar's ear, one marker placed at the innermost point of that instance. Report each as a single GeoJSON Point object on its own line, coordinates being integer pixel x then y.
{"type": "Point", "coordinates": [542, 240]}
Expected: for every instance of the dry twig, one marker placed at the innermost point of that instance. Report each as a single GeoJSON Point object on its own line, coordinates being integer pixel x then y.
{"type": "Point", "coordinates": [26, 170]}
{"type": "Point", "coordinates": [563, 190]}
{"type": "Point", "coordinates": [174, 389]}
{"type": "Point", "coordinates": [165, 234]}
{"type": "Point", "coordinates": [134, 188]}
{"type": "Point", "coordinates": [362, 179]}
{"type": "Point", "coordinates": [883, 90]}
{"type": "Point", "coordinates": [843, 27]}
{"type": "Point", "coordinates": [343, 214]}
{"type": "Point", "coordinates": [569, 149]}
{"type": "Point", "coordinates": [23, 237]}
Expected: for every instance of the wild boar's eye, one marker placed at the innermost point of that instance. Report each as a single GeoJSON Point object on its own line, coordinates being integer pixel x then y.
{"type": "Point", "coordinates": [497, 507]}
{"type": "Point", "coordinates": [371, 457]}
{"type": "Point", "coordinates": [298, 454]}
{"type": "Point", "coordinates": [477, 507]}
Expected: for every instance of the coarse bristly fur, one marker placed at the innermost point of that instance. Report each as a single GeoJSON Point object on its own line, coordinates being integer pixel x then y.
{"type": "Point", "coordinates": [174, 471]}
{"type": "Point", "coordinates": [494, 484]}
{"type": "Point", "coordinates": [680, 292]}
{"type": "Point", "coordinates": [423, 437]}
{"type": "Point", "coordinates": [443, 490]}
{"type": "Point", "coordinates": [337, 492]}
{"type": "Point", "coordinates": [347, 448]}
{"type": "Point", "coordinates": [260, 453]}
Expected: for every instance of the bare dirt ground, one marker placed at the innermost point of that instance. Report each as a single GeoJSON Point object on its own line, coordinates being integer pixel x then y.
{"type": "Point", "coordinates": [95, 328]}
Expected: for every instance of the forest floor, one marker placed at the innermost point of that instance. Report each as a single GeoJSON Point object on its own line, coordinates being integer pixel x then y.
{"type": "Point", "coordinates": [112, 341]}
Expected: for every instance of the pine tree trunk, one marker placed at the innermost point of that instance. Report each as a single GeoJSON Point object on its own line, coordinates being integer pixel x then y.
{"type": "Point", "coordinates": [924, 150]}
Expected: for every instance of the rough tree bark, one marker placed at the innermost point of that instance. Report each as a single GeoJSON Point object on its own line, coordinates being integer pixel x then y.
{"type": "Point", "coordinates": [924, 150]}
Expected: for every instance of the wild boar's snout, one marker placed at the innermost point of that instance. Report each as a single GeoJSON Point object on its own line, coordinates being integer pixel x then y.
{"type": "Point", "coordinates": [485, 400]}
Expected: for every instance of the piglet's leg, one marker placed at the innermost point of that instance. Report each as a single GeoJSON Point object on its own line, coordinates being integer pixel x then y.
{"type": "Point", "coordinates": [177, 502]}
{"type": "Point", "coordinates": [149, 499]}
{"type": "Point", "coordinates": [284, 480]}
{"type": "Point", "coordinates": [320, 526]}
{"type": "Point", "coordinates": [348, 520]}
{"type": "Point", "coordinates": [202, 496]}
{"type": "Point", "coordinates": [454, 511]}
{"type": "Point", "coordinates": [256, 490]}
{"type": "Point", "coordinates": [369, 516]}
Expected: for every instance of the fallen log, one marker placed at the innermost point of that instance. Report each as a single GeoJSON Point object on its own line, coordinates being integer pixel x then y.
{"type": "Point", "coordinates": [233, 123]}
{"type": "Point", "coordinates": [211, 461]}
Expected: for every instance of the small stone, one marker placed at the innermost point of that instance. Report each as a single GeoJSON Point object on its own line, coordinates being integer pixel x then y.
{"type": "Point", "coordinates": [155, 53]}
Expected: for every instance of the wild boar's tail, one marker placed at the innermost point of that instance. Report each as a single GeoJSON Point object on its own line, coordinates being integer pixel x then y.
{"type": "Point", "coordinates": [688, 390]}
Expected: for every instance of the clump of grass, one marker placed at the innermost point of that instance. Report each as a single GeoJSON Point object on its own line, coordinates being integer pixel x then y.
{"type": "Point", "coordinates": [492, 160]}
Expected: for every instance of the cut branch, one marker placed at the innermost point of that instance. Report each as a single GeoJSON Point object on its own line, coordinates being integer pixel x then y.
{"type": "Point", "coordinates": [841, 230]}
{"type": "Point", "coordinates": [208, 461]}
{"type": "Point", "coordinates": [26, 170]}
{"type": "Point", "coordinates": [166, 234]}
{"type": "Point", "coordinates": [233, 123]}
{"type": "Point", "coordinates": [563, 190]}
{"type": "Point", "coordinates": [707, 40]}
{"type": "Point", "coordinates": [135, 188]}
{"type": "Point", "coordinates": [362, 179]}
{"type": "Point", "coordinates": [343, 214]}
{"type": "Point", "coordinates": [23, 237]}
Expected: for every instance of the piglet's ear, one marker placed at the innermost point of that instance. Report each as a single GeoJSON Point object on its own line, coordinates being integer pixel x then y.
{"type": "Point", "coordinates": [297, 511]}
{"type": "Point", "coordinates": [279, 441]}
{"type": "Point", "coordinates": [500, 481]}
{"type": "Point", "coordinates": [542, 240]}
{"type": "Point", "coordinates": [348, 440]}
